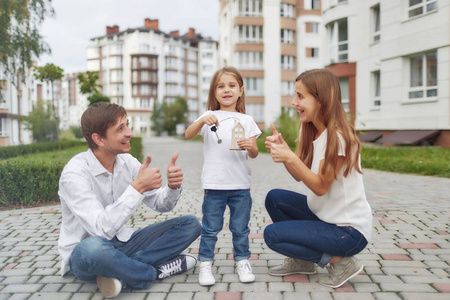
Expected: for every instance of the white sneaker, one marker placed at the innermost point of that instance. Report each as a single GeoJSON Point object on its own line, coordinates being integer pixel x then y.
{"type": "Point", "coordinates": [206, 277]}
{"type": "Point", "coordinates": [109, 287]}
{"type": "Point", "coordinates": [245, 271]}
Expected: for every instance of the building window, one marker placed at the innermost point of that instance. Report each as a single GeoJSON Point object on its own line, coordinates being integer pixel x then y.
{"type": "Point", "coordinates": [315, 4]}
{"type": "Point", "coordinates": [312, 27]}
{"type": "Point", "coordinates": [287, 10]}
{"type": "Point", "coordinates": [376, 89]}
{"type": "Point", "coordinates": [338, 37]}
{"type": "Point", "coordinates": [420, 7]}
{"type": "Point", "coordinates": [287, 88]}
{"type": "Point", "coordinates": [345, 99]}
{"type": "Point", "coordinates": [250, 60]}
{"type": "Point", "coordinates": [287, 62]}
{"type": "Point", "coordinates": [253, 86]}
{"type": "Point", "coordinates": [423, 76]}
{"type": "Point", "coordinates": [250, 34]}
{"type": "Point", "coordinates": [3, 131]}
{"type": "Point", "coordinates": [312, 52]}
{"type": "Point", "coordinates": [287, 36]}
{"type": "Point", "coordinates": [376, 23]}
{"type": "Point", "coordinates": [256, 110]}
{"type": "Point", "coordinates": [250, 8]}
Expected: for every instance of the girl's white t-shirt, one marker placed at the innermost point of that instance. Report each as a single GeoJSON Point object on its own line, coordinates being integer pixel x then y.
{"type": "Point", "coordinates": [225, 169]}
{"type": "Point", "coordinates": [345, 203]}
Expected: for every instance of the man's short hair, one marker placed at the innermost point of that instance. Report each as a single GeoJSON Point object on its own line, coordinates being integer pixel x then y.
{"type": "Point", "coordinates": [98, 118]}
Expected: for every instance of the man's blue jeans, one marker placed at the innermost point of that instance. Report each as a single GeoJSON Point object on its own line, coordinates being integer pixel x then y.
{"type": "Point", "coordinates": [214, 204]}
{"type": "Point", "coordinates": [134, 261]}
{"type": "Point", "coordinates": [297, 232]}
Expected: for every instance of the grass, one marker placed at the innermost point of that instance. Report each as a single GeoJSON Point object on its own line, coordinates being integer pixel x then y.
{"type": "Point", "coordinates": [412, 160]}
{"type": "Point", "coordinates": [56, 156]}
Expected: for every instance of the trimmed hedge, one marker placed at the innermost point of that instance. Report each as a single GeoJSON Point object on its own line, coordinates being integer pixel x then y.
{"type": "Point", "coordinates": [31, 182]}
{"type": "Point", "coordinates": [19, 150]}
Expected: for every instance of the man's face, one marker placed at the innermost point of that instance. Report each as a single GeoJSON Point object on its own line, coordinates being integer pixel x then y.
{"type": "Point", "coordinates": [118, 137]}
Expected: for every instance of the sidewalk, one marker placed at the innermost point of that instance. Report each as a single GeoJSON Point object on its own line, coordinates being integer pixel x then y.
{"type": "Point", "coordinates": [408, 257]}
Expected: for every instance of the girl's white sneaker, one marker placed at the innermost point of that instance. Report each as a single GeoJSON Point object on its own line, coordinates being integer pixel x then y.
{"type": "Point", "coordinates": [205, 276]}
{"type": "Point", "coordinates": [245, 271]}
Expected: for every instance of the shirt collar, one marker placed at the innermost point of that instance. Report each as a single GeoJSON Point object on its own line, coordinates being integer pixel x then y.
{"type": "Point", "coordinates": [98, 169]}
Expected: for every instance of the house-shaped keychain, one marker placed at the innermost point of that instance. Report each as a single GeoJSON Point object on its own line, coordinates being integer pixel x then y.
{"type": "Point", "coordinates": [237, 133]}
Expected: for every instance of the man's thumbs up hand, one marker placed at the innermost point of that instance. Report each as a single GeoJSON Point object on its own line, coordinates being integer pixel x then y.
{"type": "Point", "coordinates": [174, 173]}
{"type": "Point", "coordinates": [147, 178]}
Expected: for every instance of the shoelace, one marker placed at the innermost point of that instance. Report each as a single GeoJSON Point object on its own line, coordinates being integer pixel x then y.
{"type": "Point", "coordinates": [244, 268]}
{"type": "Point", "coordinates": [206, 269]}
{"type": "Point", "coordinates": [170, 269]}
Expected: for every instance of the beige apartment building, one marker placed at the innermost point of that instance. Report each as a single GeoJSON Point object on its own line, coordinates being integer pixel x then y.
{"type": "Point", "coordinates": [270, 42]}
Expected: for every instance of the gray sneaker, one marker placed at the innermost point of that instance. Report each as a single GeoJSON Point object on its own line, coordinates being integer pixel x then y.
{"type": "Point", "coordinates": [293, 266]}
{"type": "Point", "coordinates": [341, 272]}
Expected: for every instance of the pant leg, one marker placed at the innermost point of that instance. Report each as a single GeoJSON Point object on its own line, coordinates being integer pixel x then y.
{"type": "Point", "coordinates": [134, 261]}
{"type": "Point", "coordinates": [213, 208]}
{"type": "Point", "coordinates": [240, 204]}
{"type": "Point", "coordinates": [314, 241]}
{"type": "Point", "coordinates": [163, 241]}
{"type": "Point", "coordinates": [96, 256]}
{"type": "Point", "coordinates": [285, 205]}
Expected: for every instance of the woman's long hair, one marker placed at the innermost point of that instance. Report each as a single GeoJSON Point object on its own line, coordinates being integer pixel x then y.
{"type": "Point", "coordinates": [213, 103]}
{"type": "Point", "coordinates": [324, 86]}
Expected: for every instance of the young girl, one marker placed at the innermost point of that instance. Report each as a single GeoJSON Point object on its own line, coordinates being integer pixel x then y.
{"type": "Point", "coordinates": [229, 137]}
{"type": "Point", "coordinates": [333, 222]}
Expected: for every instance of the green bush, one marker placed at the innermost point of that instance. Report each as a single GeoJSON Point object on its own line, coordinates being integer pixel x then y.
{"type": "Point", "coordinates": [19, 150]}
{"type": "Point", "coordinates": [26, 182]}
{"type": "Point", "coordinates": [29, 183]}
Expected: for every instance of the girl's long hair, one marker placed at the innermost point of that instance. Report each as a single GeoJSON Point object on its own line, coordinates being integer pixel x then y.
{"type": "Point", "coordinates": [213, 103]}
{"type": "Point", "coordinates": [324, 86]}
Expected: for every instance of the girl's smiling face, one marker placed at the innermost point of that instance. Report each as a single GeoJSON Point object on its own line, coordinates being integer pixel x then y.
{"type": "Point", "coordinates": [306, 104]}
{"type": "Point", "coordinates": [228, 92]}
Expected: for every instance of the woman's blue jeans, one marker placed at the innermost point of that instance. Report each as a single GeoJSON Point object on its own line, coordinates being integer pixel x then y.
{"type": "Point", "coordinates": [134, 261]}
{"type": "Point", "coordinates": [214, 204]}
{"type": "Point", "coordinates": [297, 232]}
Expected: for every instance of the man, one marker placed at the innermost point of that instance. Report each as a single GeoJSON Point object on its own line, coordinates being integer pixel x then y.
{"type": "Point", "coordinates": [100, 189]}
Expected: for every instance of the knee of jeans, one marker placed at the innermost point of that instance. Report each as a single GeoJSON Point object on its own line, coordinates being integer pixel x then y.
{"type": "Point", "coordinates": [91, 247]}
{"type": "Point", "coordinates": [270, 197]}
{"type": "Point", "coordinates": [269, 235]}
{"type": "Point", "coordinates": [193, 222]}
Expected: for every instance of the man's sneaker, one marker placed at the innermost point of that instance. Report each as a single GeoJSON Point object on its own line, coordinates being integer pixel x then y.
{"type": "Point", "coordinates": [205, 277]}
{"type": "Point", "coordinates": [245, 271]}
{"type": "Point", "coordinates": [293, 266]}
{"type": "Point", "coordinates": [341, 271]}
{"type": "Point", "coordinates": [177, 265]}
{"type": "Point", "coordinates": [109, 287]}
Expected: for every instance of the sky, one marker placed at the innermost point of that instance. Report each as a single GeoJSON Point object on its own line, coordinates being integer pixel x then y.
{"type": "Point", "coordinates": [69, 31]}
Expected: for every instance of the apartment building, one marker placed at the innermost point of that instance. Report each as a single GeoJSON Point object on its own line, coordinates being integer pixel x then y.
{"type": "Point", "coordinates": [71, 102]}
{"type": "Point", "coordinates": [16, 101]}
{"type": "Point", "coordinates": [393, 60]}
{"type": "Point", "coordinates": [270, 42]}
{"type": "Point", "coordinates": [141, 66]}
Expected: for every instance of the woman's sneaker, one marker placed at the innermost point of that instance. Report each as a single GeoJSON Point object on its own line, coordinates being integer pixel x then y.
{"type": "Point", "coordinates": [175, 266]}
{"type": "Point", "coordinates": [245, 271]}
{"type": "Point", "coordinates": [341, 271]}
{"type": "Point", "coordinates": [206, 277]}
{"type": "Point", "coordinates": [109, 287]}
{"type": "Point", "coordinates": [293, 266]}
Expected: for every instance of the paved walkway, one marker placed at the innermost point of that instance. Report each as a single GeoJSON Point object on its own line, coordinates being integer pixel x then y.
{"type": "Point", "coordinates": [408, 257]}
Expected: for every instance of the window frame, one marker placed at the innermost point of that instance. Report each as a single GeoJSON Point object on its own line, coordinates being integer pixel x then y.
{"type": "Point", "coordinates": [423, 5]}
{"type": "Point", "coordinates": [424, 87]}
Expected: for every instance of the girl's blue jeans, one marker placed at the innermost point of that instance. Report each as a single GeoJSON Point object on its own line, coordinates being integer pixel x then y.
{"type": "Point", "coordinates": [134, 261]}
{"type": "Point", "coordinates": [297, 232]}
{"type": "Point", "coordinates": [214, 204]}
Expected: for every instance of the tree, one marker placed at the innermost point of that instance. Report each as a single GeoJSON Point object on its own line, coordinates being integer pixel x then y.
{"type": "Point", "coordinates": [165, 117]}
{"type": "Point", "coordinates": [89, 86]}
{"type": "Point", "coordinates": [50, 73]}
{"type": "Point", "coordinates": [158, 117]}
{"type": "Point", "coordinates": [41, 122]}
{"type": "Point", "coordinates": [20, 41]}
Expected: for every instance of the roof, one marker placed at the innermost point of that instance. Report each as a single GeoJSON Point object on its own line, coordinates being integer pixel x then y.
{"type": "Point", "coordinates": [408, 137]}
{"type": "Point", "coordinates": [370, 135]}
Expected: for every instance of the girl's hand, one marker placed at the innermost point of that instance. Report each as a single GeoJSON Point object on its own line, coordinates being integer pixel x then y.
{"type": "Point", "coordinates": [275, 138]}
{"type": "Point", "coordinates": [210, 119]}
{"type": "Point", "coordinates": [245, 144]}
{"type": "Point", "coordinates": [281, 152]}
